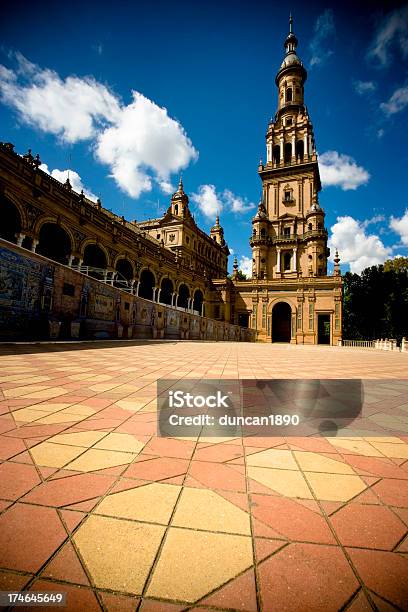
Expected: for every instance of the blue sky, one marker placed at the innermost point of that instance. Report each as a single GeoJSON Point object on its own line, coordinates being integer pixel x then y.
{"type": "Point", "coordinates": [202, 77]}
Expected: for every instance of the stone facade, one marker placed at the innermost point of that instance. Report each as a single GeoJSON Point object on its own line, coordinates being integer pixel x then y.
{"type": "Point", "coordinates": [290, 296]}
{"type": "Point", "coordinates": [40, 298]}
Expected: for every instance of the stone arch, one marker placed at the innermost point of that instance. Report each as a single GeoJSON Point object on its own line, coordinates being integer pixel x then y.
{"type": "Point", "coordinates": [12, 219]}
{"type": "Point", "coordinates": [124, 272]}
{"type": "Point", "coordinates": [147, 280]}
{"type": "Point", "coordinates": [54, 241]}
{"type": "Point", "coordinates": [198, 300]}
{"type": "Point", "coordinates": [96, 257]}
{"type": "Point", "coordinates": [166, 290]}
{"type": "Point", "coordinates": [183, 295]}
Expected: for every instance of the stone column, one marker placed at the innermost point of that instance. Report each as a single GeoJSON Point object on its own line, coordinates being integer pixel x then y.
{"type": "Point", "coordinates": [278, 259]}
{"type": "Point", "coordinates": [80, 262]}
{"type": "Point", "coordinates": [70, 260]}
{"type": "Point", "coordinates": [20, 237]}
{"type": "Point", "coordinates": [293, 148]}
{"type": "Point", "coordinates": [294, 260]}
{"type": "Point", "coordinates": [34, 244]}
{"type": "Point", "coordinates": [158, 294]}
{"type": "Point", "coordinates": [282, 152]}
{"type": "Point", "coordinates": [305, 143]}
{"type": "Point", "coordinates": [137, 287]}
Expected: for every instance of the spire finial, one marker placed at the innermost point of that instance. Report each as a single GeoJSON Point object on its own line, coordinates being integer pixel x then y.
{"type": "Point", "coordinates": [290, 23]}
{"type": "Point", "coordinates": [217, 220]}
{"type": "Point", "coordinates": [180, 187]}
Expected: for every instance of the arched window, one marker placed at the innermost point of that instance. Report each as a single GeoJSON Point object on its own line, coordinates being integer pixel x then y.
{"type": "Point", "coordinates": [263, 232]}
{"type": "Point", "coordinates": [289, 94]}
{"type": "Point", "coordinates": [288, 152]}
{"type": "Point", "coordinates": [10, 220]}
{"type": "Point", "coordinates": [183, 296]}
{"type": "Point", "coordinates": [166, 290]}
{"type": "Point", "coordinates": [300, 149]}
{"type": "Point", "coordinates": [276, 154]}
{"type": "Point", "coordinates": [54, 243]}
{"type": "Point", "coordinates": [310, 227]}
{"type": "Point", "coordinates": [147, 283]}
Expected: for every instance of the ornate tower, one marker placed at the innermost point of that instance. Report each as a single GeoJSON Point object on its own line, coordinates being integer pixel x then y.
{"type": "Point", "coordinates": [289, 238]}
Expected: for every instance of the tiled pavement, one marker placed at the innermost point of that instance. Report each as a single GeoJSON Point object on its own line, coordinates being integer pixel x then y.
{"type": "Point", "coordinates": [94, 504]}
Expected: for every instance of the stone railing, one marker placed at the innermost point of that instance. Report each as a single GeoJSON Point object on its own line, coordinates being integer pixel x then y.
{"type": "Point", "coordinates": [357, 343]}
{"type": "Point", "coordinates": [382, 345]}
{"type": "Point", "coordinates": [391, 345]}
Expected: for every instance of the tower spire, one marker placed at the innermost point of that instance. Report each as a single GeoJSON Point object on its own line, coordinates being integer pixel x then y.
{"type": "Point", "coordinates": [290, 23]}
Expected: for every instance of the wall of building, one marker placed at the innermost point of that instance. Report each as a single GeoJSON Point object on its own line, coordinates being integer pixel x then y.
{"type": "Point", "coordinates": [40, 298]}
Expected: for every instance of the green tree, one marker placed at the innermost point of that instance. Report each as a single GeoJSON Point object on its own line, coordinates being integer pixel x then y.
{"type": "Point", "coordinates": [376, 302]}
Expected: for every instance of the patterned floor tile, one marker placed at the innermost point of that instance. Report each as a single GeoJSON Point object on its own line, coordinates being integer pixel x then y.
{"type": "Point", "coordinates": [152, 503]}
{"type": "Point", "coordinates": [28, 536]}
{"type": "Point", "coordinates": [194, 563]}
{"type": "Point", "coordinates": [16, 479]}
{"type": "Point", "coordinates": [368, 527]}
{"type": "Point", "coordinates": [117, 553]}
{"type": "Point", "coordinates": [306, 577]}
{"type": "Point", "coordinates": [340, 487]}
{"type": "Point", "coordinates": [204, 509]}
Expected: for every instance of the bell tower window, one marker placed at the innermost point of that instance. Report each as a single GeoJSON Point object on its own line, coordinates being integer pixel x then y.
{"type": "Point", "coordinates": [289, 94]}
{"type": "Point", "coordinates": [286, 261]}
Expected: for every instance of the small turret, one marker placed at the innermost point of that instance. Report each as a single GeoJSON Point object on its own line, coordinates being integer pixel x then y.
{"type": "Point", "coordinates": [179, 201]}
{"type": "Point", "coordinates": [217, 232]}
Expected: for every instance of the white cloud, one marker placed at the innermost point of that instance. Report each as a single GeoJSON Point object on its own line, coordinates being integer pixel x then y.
{"type": "Point", "coordinates": [397, 102]}
{"type": "Point", "coordinates": [208, 200]}
{"type": "Point", "coordinates": [337, 169]}
{"type": "Point", "coordinates": [71, 109]}
{"type": "Point", "coordinates": [357, 248]}
{"type": "Point", "coordinates": [363, 87]}
{"type": "Point", "coordinates": [140, 142]}
{"type": "Point", "coordinates": [245, 265]}
{"type": "Point", "coordinates": [74, 179]}
{"type": "Point", "coordinates": [212, 202]}
{"type": "Point", "coordinates": [400, 227]}
{"type": "Point", "coordinates": [373, 220]}
{"type": "Point", "coordinates": [323, 31]}
{"type": "Point", "coordinates": [392, 31]}
{"type": "Point", "coordinates": [236, 203]}
{"type": "Point", "coordinates": [144, 136]}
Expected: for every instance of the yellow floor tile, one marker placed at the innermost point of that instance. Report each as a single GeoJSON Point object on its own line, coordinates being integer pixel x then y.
{"type": "Point", "coordinates": [54, 455]}
{"type": "Point", "coordinates": [396, 451]}
{"type": "Point", "coordinates": [151, 503]}
{"type": "Point", "coordinates": [78, 438]}
{"type": "Point", "coordinates": [193, 563]}
{"type": "Point", "coordinates": [313, 462]}
{"type": "Point", "coordinates": [285, 482]}
{"type": "Point", "coordinates": [335, 487]}
{"type": "Point", "coordinates": [360, 447]}
{"type": "Point", "coordinates": [282, 459]}
{"type": "Point", "coordinates": [94, 459]}
{"type": "Point", "coordinates": [118, 554]}
{"type": "Point", "coordinates": [121, 442]}
{"type": "Point", "coordinates": [28, 415]}
{"type": "Point", "coordinates": [205, 509]}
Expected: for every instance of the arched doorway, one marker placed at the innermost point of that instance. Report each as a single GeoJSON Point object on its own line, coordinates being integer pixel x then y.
{"type": "Point", "coordinates": [147, 283]}
{"type": "Point", "coordinates": [281, 322]}
{"type": "Point", "coordinates": [183, 296]}
{"type": "Point", "coordinates": [10, 220]}
{"type": "Point", "coordinates": [198, 300]}
{"type": "Point", "coordinates": [54, 243]}
{"type": "Point", "coordinates": [166, 290]}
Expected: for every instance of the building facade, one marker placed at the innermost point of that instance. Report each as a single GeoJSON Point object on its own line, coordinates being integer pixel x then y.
{"type": "Point", "coordinates": [169, 261]}
{"type": "Point", "coordinates": [290, 297]}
